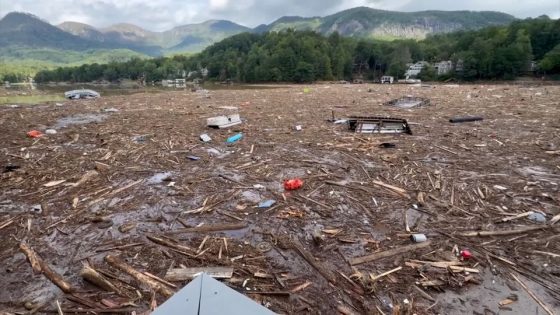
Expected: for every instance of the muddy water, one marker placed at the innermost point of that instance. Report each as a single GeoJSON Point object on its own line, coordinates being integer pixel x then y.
{"type": "Point", "coordinates": [485, 298]}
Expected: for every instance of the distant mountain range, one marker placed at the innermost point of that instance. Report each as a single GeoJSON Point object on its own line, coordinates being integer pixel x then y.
{"type": "Point", "coordinates": [27, 37]}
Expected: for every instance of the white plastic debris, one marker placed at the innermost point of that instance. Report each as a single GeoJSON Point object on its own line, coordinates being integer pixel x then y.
{"type": "Point", "coordinates": [205, 138]}
{"type": "Point", "coordinates": [223, 121]}
{"type": "Point", "coordinates": [50, 131]}
{"type": "Point", "coordinates": [498, 187]}
{"type": "Point", "coordinates": [38, 209]}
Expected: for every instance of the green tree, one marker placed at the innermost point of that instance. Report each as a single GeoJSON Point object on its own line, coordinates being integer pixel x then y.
{"type": "Point", "coordinates": [428, 73]}
{"type": "Point", "coordinates": [551, 61]}
{"type": "Point", "coordinates": [304, 73]}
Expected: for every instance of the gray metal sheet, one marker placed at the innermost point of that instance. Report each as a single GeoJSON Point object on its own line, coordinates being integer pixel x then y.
{"type": "Point", "coordinates": [217, 298]}
{"type": "Point", "coordinates": [207, 296]}
{"type": "Point", "coordinates": [184, 302]}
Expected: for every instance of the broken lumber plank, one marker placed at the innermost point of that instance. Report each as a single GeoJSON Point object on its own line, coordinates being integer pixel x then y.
{"type": "Point", "coordinates": [139, 276]}
{"type": "Point", "coordinates": [397, 190]}
{"type": "Point", "coordinates": [388, 253]}
{"type": "Point", "coordinates": [182, 274]}
{"type": "Point", "coordinates": [312, 261]}
{"type": "Point", "coordinates": [211, 228]}
{"type": "Point", "coordinates": [504, 232]}
{"type": "Point", "coordinates": [438, 264]}
{"type": "Point", "coordinates": [463, 269]}
{"type": "Point", "coordinates": [515, 217]}
{"type": "Point", "coordinates": [98, 279]}
{"type": "Point", "coordinates": [375, 278]}
{"type": "Point", "coordinates": [40, 266]}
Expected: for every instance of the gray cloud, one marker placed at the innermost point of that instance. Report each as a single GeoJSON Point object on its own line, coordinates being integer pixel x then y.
{"type": "Point", "coordinates": [161, 15]}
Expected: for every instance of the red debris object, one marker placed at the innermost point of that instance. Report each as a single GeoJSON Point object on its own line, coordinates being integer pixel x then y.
{"type": "Point", "coordinates": [34, 134]}
{"type": "Point", "coordinates": [293, 184]}
{"type": "Point", "coordinates": [465, 254]}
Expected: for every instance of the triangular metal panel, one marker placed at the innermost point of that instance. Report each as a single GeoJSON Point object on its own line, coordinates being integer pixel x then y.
{"type": "Point", "coordinates": [218, 298]}
{"type": "Point", "coordinates": [184, 302]}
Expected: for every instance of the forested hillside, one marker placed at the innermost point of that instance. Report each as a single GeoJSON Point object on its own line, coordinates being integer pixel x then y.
{"type": "Point", "coordinates": [498, 52]}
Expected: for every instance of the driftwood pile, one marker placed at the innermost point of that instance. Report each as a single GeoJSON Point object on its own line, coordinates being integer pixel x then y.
{"type": "Point", "coordinates": [115, 215]}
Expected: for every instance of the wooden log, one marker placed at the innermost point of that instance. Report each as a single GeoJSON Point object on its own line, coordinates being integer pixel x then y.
{"type": "Point", "coordinates": [388, 253]}
{"type": "Point", "coordinates": [159, 279]}
{"type": "Point", "coordinates": [183, 274]}
{"type": "Point", "coordinates": [98, 279]}
{"type": "Point", "coordinates": [31, 256]}
{"type": "Point", "coordinates": [502, 233]}
{"type": "Point", "coordinates": [211, 228]}
{"type": "Point", "coordinates": [312, 261]}
{"type": "Point", "coordinates": [169, 243]}
{"type": "Point", "coordinates": [140, 277]}
{"type": "Point", "coordinates": [40, 266]}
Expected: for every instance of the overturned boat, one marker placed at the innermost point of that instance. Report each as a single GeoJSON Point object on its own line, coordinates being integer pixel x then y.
{"type": "Point", "coordinates": [77, 94]}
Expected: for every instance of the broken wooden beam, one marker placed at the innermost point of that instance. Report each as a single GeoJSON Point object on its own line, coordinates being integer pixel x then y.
{"type": "Point", "coordinates": [211, 228]}
{"type": "Point", "coordinates": [388, 253]}
{"type": "Point", "coordinates": [139, 276]}
{"type": "Point", "coordinates": [183, 274]}
{"type": "Point", "coordinates": [40, 266]}
{"type": "Point", "coordinates": [375, 278]}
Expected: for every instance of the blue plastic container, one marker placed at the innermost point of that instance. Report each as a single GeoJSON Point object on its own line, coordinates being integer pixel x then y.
{"type": "Point", "coordinates": [234, 138]}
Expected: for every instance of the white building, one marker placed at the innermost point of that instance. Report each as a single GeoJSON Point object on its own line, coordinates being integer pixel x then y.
{"type": "Point", "coordinates": [415, 69]}
{"type": "Point", "coordinates": [443, 67]}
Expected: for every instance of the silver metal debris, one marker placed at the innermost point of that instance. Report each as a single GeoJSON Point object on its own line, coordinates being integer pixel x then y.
{"type": "Point", "coordinates": [206, 296]}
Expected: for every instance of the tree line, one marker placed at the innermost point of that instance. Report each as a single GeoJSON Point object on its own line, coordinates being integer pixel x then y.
{"type": "Point", "coordinates": [498, 52]}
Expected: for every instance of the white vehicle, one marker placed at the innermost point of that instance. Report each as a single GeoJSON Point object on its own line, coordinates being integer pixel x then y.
{"type": "Point", "coordinates": [77, 94]}
{"type": "Point", "coordinates": [387, 79]}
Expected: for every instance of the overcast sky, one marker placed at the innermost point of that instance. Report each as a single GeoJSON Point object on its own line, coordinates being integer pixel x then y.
{"type": "Point", "coordinates": [159, 15]}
